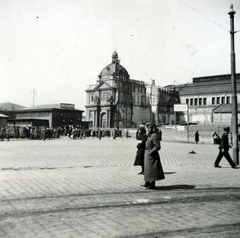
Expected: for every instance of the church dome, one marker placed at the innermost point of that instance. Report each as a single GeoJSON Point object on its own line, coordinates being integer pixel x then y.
{"type": "Point", "coordinates": [114, 68]}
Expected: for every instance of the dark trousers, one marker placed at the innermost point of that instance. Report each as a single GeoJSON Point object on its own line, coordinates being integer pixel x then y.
{"type": "Point", "coordinates": [226, 155]}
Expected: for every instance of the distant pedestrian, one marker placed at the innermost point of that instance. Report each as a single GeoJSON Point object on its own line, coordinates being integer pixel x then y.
{"type": "Point", "coordinates": [139, 159]}
{"type": "Point", "coordinates": [70, 131]}
{"type": "Point", "coordinates": [196, 137]}
{"type": "Point", "coordinates": [114, 134]}
{"type": "Point", "coordinates": [99, 134]}
{"type": "Point", "coordinates": [2, 134]}
{"type": "Point", "coordinates": [223, 150]}
{"type": "Point", "coordinates": [7, 134]}
{"type": "Point", "coordinates": [127, 133]}
{"type": "Point", "coordinates": [74, 133]}
{"type": "Point", "coordinates": [152, 166]}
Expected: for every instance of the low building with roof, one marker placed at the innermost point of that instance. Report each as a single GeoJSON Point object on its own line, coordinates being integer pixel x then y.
{"type": "Point", "coordinates": [52, 115]}
{"type": "Point", "coordinates": [8, 111]}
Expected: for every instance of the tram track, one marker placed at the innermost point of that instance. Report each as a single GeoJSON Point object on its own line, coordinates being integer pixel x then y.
{"type": "Point", "coordinates": [64, 203]}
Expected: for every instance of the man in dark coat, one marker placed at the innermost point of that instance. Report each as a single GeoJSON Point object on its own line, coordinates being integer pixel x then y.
{"type": "Point", "coordinates": [152, 166]}
{"type": "Point", "coordinates": [223, 150]}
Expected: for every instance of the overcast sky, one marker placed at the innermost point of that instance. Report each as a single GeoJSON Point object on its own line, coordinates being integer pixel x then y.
{"type": "Point", "coordinates": [58, 47]}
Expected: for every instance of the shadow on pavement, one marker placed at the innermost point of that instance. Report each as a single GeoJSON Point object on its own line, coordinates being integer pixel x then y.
{"type": "Point", "coordinates": [172, 187]}
{"type": "Point", "coordinates": [169, 172]}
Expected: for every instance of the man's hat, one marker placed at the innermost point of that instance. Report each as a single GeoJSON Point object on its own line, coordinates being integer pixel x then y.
{"type": "Point", "coordinates": [226, 128]}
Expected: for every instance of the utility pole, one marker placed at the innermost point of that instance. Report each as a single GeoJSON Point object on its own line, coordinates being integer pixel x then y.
{"type": "Point", "coordinates": [34, 93]}
{"type": "Point", "coordinates": [234, 95]}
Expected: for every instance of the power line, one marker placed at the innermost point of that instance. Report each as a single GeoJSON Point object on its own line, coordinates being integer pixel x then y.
{"type": "Point", "coordinates": [204, 15]}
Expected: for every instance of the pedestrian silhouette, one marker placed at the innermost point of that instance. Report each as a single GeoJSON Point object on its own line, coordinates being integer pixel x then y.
{"type": "Point", "coordinates": [223, 150]}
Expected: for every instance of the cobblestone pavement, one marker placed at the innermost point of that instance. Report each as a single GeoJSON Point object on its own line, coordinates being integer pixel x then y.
{"type": "Point", "coordinates": [90, 188]}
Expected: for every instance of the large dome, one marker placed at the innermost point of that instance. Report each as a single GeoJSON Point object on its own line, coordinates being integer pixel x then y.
{"type": "Point", "coordinates": [113, 68]}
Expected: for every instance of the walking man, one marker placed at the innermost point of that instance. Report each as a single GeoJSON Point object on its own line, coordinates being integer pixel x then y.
{"type": "Point", "coordinates": [223, 150]}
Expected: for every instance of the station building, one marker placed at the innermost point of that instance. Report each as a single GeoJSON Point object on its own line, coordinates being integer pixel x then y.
{"type": "Point", "coordinates": [209, 99]}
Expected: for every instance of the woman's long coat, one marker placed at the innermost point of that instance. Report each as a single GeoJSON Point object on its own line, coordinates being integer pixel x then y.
{"type": "Point", "coordinates": [139, 159]}
{"type": "Point", "coordinates": [152, 166]}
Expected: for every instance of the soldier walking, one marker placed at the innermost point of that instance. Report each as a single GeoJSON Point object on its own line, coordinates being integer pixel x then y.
{"type": "Point", "coordinates": [223, 150]}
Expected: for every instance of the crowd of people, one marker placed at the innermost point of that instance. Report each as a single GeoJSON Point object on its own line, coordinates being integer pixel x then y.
{"type": "Point", "coordinates": [29, 132]}
{"type": "Point", "coordinates": [43, 133]}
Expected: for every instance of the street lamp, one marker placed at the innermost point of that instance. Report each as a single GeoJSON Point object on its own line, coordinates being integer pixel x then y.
{"type": "Point", "coordinates": [234, 95]}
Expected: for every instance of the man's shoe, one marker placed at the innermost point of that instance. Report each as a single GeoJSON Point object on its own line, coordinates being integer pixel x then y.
{"type": "Point", "coordinates": [217, 166]}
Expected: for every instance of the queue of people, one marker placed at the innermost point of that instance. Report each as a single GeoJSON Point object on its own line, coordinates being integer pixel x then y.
{"type": "Point", "coordinates": [29, 132]}
{"type": "Point", "coordinates": [43, 132]}
{"type": "Point", "coordinates": [76, 132]}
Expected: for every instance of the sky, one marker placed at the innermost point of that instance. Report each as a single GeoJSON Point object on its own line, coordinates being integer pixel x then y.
{"type": "Point", "coordinates": [56, 48]}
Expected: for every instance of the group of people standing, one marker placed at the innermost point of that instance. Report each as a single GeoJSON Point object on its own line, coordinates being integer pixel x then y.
{"type": "Point", "coordinates": [148, 158]}
{"type": "Point", "coordinates": [4, 133]}
{"type": "Point", "coordinates": [147, 155]}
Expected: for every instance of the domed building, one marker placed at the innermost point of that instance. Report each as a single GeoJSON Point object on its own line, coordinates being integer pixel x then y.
{"type": "Point", "coordinates": [112, 69]}
{"type": "Point", "coordinates": [116, 101]}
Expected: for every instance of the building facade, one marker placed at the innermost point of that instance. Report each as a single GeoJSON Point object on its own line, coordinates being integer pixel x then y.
{"type": "Point", "coordinates": [52, 115]}
{"type": "Point", "coordinates": [208, 98]}
{"type": "Point", "coordinates": [116, 101]}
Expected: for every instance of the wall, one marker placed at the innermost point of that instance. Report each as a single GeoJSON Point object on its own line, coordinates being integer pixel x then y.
{"type": "Point", "coordinates": [3, 121]}
{"type": "Point", "coordinates": [140, 114]}
{"type": "Point", "coordinates": [224, 117]}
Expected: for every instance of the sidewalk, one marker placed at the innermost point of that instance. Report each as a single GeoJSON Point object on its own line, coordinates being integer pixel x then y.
{"type": "Point", "coordinates": [94, 187]}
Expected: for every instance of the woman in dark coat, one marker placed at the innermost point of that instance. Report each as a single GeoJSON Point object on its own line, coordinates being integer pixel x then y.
{"type": "Point", "coordinates": [139, 159]}
{"type": "Point", "coordinates": [152, 166]}
{"type": "Point", "coordinates": [196, 137]}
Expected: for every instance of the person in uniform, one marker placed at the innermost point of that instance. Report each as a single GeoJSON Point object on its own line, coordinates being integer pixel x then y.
{"type": "Point", "coordinates": [152, 166]}
{"type": "Point", "coordinates": [223, 150]}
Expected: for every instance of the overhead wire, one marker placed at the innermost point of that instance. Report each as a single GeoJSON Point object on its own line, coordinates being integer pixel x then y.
{"type": "Point", "coordinates": [205, 16]}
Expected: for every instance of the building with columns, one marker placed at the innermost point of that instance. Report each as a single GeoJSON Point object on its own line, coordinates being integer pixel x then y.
{"type": "Point", "coordinates": [116, 101]}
